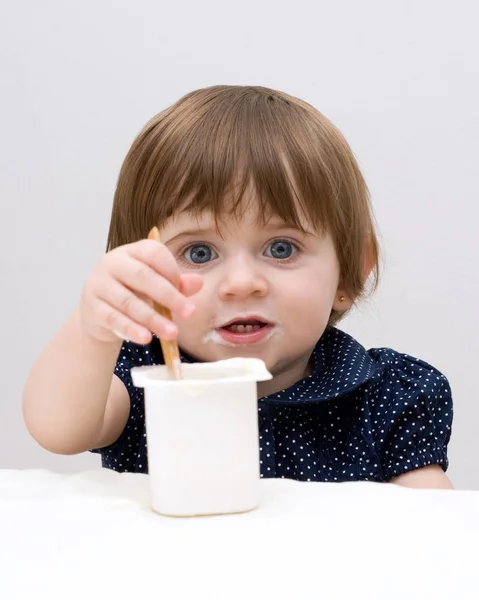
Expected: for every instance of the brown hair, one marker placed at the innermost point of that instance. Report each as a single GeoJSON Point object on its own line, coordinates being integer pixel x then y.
{"type": "Point", "coordinates": [220, 141]}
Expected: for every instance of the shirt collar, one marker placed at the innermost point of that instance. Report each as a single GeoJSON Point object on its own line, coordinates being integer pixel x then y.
{"type": "Point", "coordinates": [340, 365]}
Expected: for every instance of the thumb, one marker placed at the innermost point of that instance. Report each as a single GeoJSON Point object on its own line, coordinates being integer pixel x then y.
{"type": "Point", "coordinates": [190, 284]}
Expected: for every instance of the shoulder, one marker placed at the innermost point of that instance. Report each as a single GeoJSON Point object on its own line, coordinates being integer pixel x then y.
{"type": "Point", "coordinates": [411, 412]}
{"type": "Point", "coordinates": [393, 378]}
{"type": "Point", "coordinates": [405, 375]}
{"type": "Point", "coordinates": [406, 402]}
{"type": "Point", "coordinates": [342, 364]}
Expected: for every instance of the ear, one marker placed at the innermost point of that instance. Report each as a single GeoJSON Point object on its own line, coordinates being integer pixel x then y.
{"type": "Point", "coordinates": [342, 301]}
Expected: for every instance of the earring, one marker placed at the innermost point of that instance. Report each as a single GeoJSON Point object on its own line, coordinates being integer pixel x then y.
{"type": "Point", "coordinates": [342, 298]}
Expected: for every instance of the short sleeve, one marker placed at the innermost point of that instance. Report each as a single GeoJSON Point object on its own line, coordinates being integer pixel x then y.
{"type": "Point", "coordinates": [411, 412]}
{"type": "Point", "coordinates": [122, 455]}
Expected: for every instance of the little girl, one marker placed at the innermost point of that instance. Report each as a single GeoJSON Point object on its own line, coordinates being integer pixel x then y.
{"type": "Point", "coordinates": [267, 241]}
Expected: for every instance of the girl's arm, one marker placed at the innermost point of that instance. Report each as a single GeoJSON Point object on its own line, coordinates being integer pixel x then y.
{"type": "Point", "coordinates": [428, 477]}
{"type": "Point", "coordinates": [71, 402]}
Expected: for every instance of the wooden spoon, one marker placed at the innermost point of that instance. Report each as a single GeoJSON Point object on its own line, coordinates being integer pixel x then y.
{"type": "Point", "coordinates": [171, 352]}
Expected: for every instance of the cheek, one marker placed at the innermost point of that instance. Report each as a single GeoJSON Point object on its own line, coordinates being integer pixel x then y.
{"type": "Point", "coordinates": [190, 332]}
{"type": "Point", "coordinates": [311, 287]}
{"type": "Point", "coordinates": [190, 329]}
{"type": "Point", "coordinates": [308, 306]}
{"type": "Point", "coordinates": [307, 301]}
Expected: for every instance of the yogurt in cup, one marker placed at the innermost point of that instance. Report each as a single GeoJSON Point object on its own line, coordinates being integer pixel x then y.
{"type": "Point", "coordinates": [202, 434]}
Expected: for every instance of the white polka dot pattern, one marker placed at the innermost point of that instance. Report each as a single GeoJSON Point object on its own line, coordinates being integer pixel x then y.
{"type": "Point", "coordinates": [359, 416]}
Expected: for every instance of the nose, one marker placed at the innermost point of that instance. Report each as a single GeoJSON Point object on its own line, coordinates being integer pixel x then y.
{"type": "Point", "coordinates": [242, 278]}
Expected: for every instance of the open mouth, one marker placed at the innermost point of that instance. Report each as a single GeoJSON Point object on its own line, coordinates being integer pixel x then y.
{"type": "Point", "coordinates": [246, 330]}
{"type": "Point", "coordinates": [245, 325]}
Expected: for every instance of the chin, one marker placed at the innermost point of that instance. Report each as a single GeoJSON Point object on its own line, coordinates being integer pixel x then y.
{"type": "Point", "coordinates": [212, 352]}
{"type": "Point", "coordinates": [239, 351]}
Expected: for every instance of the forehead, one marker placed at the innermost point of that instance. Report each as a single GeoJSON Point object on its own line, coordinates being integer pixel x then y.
{"type": "Point", "coordinates": [246, 209]}
{"type": "Point", "coordinates": [251, 219]}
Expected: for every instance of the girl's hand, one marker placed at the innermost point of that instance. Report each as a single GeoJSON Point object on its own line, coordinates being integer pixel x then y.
{"type": "Point", "coordinates": [117, 300]}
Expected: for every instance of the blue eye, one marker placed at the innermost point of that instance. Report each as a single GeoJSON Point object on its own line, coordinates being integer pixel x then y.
{"type": "Point", "coordinates": [281, 249]}
{"type": "Point", "coordinates": [199, 254]}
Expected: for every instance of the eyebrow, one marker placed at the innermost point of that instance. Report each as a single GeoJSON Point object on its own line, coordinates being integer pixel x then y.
{"type": "Point", "coordinates": [280, 225]}
{"type": "Point", "coordinates": [212, 230]}
{"type": "Point", "coordinates": [192, 232]}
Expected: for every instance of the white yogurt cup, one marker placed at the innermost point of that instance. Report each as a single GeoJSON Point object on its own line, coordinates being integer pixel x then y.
{"type": "Point", "coordinates": [202, 433]}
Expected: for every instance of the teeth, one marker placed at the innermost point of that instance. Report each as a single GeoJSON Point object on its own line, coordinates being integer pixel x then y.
{"type": "Point", "coordinates": [244, 328]}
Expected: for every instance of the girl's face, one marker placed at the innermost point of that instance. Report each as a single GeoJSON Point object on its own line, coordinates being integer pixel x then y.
{"type": "Point", "coordinates": [268, 291]}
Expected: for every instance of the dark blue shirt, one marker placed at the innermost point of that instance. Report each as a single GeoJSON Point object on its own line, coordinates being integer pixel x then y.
{"type": "Point", "coordinates": [360, 415]}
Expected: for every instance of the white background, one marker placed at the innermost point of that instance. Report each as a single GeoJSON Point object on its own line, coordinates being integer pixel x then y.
{"type": "Point", "coordinates": [79, 80]}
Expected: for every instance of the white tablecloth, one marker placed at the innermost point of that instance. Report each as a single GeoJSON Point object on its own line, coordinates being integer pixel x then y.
{"type": "Point", "coordinates": [92, 535]}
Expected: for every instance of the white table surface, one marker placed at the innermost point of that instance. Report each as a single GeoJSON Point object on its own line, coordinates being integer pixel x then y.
{"type": "Point", "coordinates": [92, 535]}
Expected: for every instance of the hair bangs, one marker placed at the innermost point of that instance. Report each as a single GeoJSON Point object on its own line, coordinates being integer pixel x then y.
{"type": "Point", "coordinates": [239, 154]}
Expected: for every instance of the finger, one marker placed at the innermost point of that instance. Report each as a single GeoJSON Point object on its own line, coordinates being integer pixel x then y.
{"type": "Point", "coordinates": [145, 298]}
{"type": "Point", "coordinates": [124, 327]}
{"type": "Point", "coordinates": [140, 277]}
{"type": "Point", "coordinates": [190, 284]}
{"type": "Point", "coordinates": [157, 256]}
{"type": "Point", "coordinates": [127, 303]}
